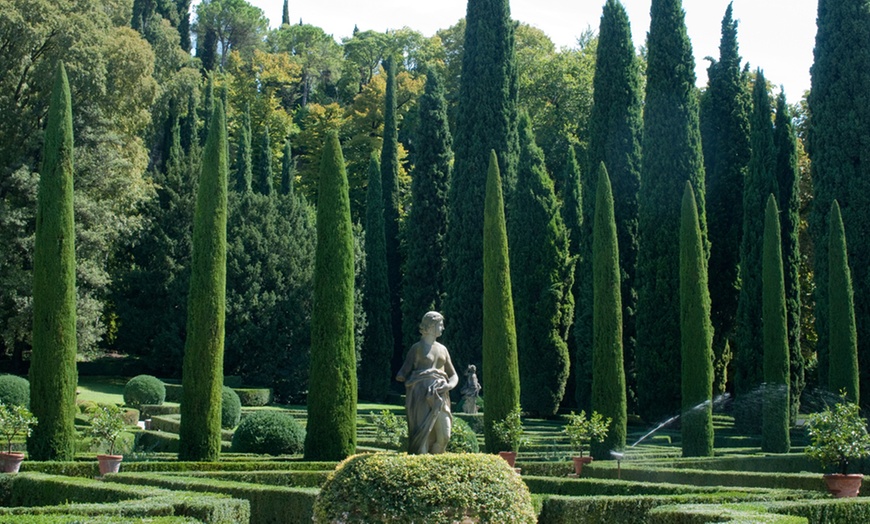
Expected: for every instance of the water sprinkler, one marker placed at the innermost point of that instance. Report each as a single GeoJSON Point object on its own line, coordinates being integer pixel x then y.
{"type": "Point", "coordinates": [618, 456]}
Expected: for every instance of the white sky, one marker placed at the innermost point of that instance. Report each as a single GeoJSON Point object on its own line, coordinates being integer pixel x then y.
{"type": "Point", "coordinates": [776, 35]}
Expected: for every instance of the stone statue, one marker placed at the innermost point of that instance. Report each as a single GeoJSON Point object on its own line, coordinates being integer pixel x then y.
{"type": "Point", "coordinates": [429, 376]}
{"type": "Point", "coordinates": [470, 390]}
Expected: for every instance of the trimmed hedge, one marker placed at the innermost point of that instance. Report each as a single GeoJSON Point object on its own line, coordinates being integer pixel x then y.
{"type": "Point", "coordinates": [582, 487]}
{"type": "Point", "coordinates": [173, 392]}
{"type": "Point", "coordinates": [269, 432]}
{"type": "Point", "coordinates": [741, 513]}
{"type": "Point", "coordinates": [253, 397]}
{"type": "Point", "coordinates": [14, 391]}
{"type": "Point", "coordinates": [463, 439]}
{"type": "Point", "coordinates": [72, 519]}
{"type": "Point", "coordinates": [153, 410]}
{"type": "Point", "coordinates": [160, 441]}
{"type": "Point", "coordinates": [172, 423]}
{"type": "Point", "coordinates": [231, 408]}
{"type": "Point", "coordinates": [144, 389]}
{"type": "Point", "coordinates": [424, 488]}
{"type": "Point", "coordinates": [292, 479]}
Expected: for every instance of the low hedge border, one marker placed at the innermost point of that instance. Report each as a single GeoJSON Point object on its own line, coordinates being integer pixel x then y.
{"type": "Point", "coordinates": [77, 519]}
{"type": "Point", "coordinates": [268, 503]}
{"type": "Point", "coordinates": [154, 410]}
{"type": "Point", "coordinates": [293, 479]}
{"type": "Point", "coordinates": [734, 514]}
{"type": "Point", "coordinates": [163, 441]}
{"type": "Point", "coordinates": [254, 397]}
{"type": "Point", "coordinates": [599, 487]}
{"type": "Point", "coordinates": [172, 424]}
{"type": "Point", "coordinates": [773, 463]}
{"type": "Point", "coordinates": [173, 392]}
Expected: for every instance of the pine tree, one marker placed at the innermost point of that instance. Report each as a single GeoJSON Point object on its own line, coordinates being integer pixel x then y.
{"type": "Point", "coordinates": [202, 374]}
{"type": "Point", "coordinates": [423, 287]}
{"type": "Point", "coordinates": [542, 274]}
{"type": "Point", "coordinates": [725, 109]}
{"type": "Point", "coordinates": [608, 372]}
{"type": "Point", "coordinates": [696, 335]}
{"type": "Point", "coordinates": [839, 124]}
{"type": "Point", "coordinates": [332, 394]}
{"type": "Point", "coordinates": [749, 356]}
{"type": "Point", "coordinates": [486, 121]}
{"type": "Point", "coordinates": [285, 13]}
{"type": "Point", "coordinates": [500, 367]}
{"type": "Point", "coordinates": [615, 125]}
{"type": "Point", "coordinates": [390, 184]}
{"type": "Point", "coordinates": [287, 170]}
{"type": "Point", "coordinates": [244, 167]}
{"type": "Point", "coordinates": [53, 375]}
{"type": "Point", "coordinates": [775, 415]}
{"type": "Point", "coordinates": [843, 368]}
{"type": "Point", "coordinates": [264, 164]}
{"type": "Point", "coordinates": [672, 155]}
{"type": "Point", "coordinates": [787, 173]}
{"type": "Point", "coordinates": [374, 369]}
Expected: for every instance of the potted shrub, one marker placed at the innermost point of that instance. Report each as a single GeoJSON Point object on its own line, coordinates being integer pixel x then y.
{"type": "Point", "coordinates": [14, 420]}
{"type": "Point", "coordinates": [510, 431]}
{"type": "Point", "coordinates": [106, 424]}
{"type": "Point", "coordinates": [582, 431]}
{"type": "Point", "coordinates": [838, 435]}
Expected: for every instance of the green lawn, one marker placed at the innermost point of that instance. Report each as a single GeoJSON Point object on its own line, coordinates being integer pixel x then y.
{"type": "Point", "coordinates": [105, 390]}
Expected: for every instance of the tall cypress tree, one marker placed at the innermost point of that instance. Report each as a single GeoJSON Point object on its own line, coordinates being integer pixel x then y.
{"type": "Point", "coordinates": [542, 274]}
{"type": "Point", "coordinates": [843, 363]}
{"type": "Point", "coordinates": [696, 335]}
{"type": "Point", "coordinates": [580, 354]}
{"type": "Point", "coordinates": [207, 107]}
{"type": "Point", "coordinates": [332, 393]}
{"type": "Point", "coordinates": [840, 168]}
{"type": "Point", "coordinates": [285, 13]}
{"type": "Point", "coordinates": [725, 109]}
{"type": "Point", "coordinates": [486, 121]}
{"type": "Point", "coordinates": [183, 7]}
{"type": "Point", "coordinates": [374, 368]}
{"type": "Point", "coordinates": [53, 375]}
{"type": "Point", "coordinates": [608, 373]}
{"type": "Point", "coordinates": [390, 184]}
{"type": "Point", "coordinates": [423, 287]}
{"type": "Point", "coordinates": [500, 366]}
{"type": "Point", "coordinates": [775, 414]}
{"type": "Point", "coordinates": [615, 126]}
{"type": "Point", "coordinates": [787, 174]}
{"type": "Point", "coordinates": [287, 170]}
{"type": "Point", "coordinates": [244, 165]}
{"type": "Point", "coordinates": [202, 374]}
{"type": "Point", "coordinates": [672, 155]}
{"type": "Point", "coordinates": [264, 164]}
{"type": "Point", "coordinates": [749, 355]}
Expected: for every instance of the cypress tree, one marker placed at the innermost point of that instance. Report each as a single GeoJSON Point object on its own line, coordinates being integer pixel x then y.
{"type": "Point", "coordinates": [287, 170]}
{"type": "Point", "coordinates": [672, 155]}
{"type": "Point", "coordinates": [500, 366]}
{"type": "Point", "coordinates": [787, 174]}
{"type": "Point", "coordinates": [244, 166]}
{"type": "Point", "coordinates": [374, 371]}
{"type": "Point", "coordinates": [202, 374]}
{"type": "Point", "coordinates": [615, 125]}
{"type": "Point", "coordinates": [188, 124]}
{"type": "Point", "coordinates": [184, 23]}
{"type": "Point", "coordinates": [749, 356]}
{"type": "Point", "coordinates": [542, 274]}
{"type": "Point", "coordinates": [332, 393]}
{"type": "Point", "coordinates": [608, 373]}
{"type": "Point", "coordinates": [843, 370]}
{"type": "Point", "coordinates": [775, 415]}
{"type": "Point", "coordinates": [264, 164]}
{"type": "Point", "coordinates": [696, 335]}
{"type": "Point", "coordinates": [285, 14]}
{"type": "Point", "coordinates": [839, 124]}
{"type": "Point", "coordinates": [390, 184]}
{"type": "Point", "coordinates": [486, 121]}
{"type": "Point", "coordinates": [53, 375]}
{"type": "Point", "coordinates": [725, 108]}
{"type": "Point", "coordinates": [208, 107]}
{"type": "Point", "coordinates": [423, 287]}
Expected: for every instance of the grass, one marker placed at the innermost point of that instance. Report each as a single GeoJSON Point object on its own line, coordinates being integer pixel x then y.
{"type": "Point", "coordinates": [102, 390]}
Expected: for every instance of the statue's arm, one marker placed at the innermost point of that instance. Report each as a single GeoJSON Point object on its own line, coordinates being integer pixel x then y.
{"type": "Point", "coordinates": [408, 366]}
{"type": "Point", "coordinates": [452, 377]}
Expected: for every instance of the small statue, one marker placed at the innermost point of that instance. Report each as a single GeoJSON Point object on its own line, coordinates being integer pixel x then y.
{"type": "Point", "coordinates": [428, 375]}
{"type": "Point", "coordinates": [470, 391]}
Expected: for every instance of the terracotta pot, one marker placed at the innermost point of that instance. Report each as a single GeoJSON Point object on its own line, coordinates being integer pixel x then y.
{"type": "Point", "coordinates": [509, 456]}
{"type": "Point", "coordinates": [11, 461]}
{"type": "Point", "coordinates": [578, 464]}
{"type": "Point", "coordinates": [109, 463]}
{"type": "Point", "coordinates": [842, 486]}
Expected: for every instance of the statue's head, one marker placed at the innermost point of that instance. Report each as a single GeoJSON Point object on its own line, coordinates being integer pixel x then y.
{"type": "Point", "coordinates": [471, 369]}
{"type": "Point", "coordinates": [430, 320]}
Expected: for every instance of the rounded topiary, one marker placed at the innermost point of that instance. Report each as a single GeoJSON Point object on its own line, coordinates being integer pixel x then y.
{"type": "Point", "coordinates": [269, 432]}
{"type": "Point", "coordinates": [231, 408]}
{"type": "Point", "coordinates": [14, 391]}
{"type": "Point", "coordinates": [463, 439]}
{"type": "Point", "coordinates": [435, 489]}
{"type": "Point", "coordinates": [144, 389]}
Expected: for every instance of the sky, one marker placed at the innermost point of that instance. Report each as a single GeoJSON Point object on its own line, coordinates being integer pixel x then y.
{"type": "Point", "coordinates": [775, 35]}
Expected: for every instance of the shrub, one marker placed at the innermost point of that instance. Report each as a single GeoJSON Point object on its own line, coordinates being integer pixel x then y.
{"type": "Point", "coordinates": [14, 391]}
{"type": "Point", "coordinates": [144, 389]}
{"type": "Point", "coordinates": [254, 396]}
{"type": "Point", "coordinates": [463, 439]}
{"type": "Point", "coordinates": [424, 488]}
{"type": "Point", "coordinates": [390, 431]}
{"type": "Point", "coordinates": [231, 408]}
{"type": "Point", "coordinates": [269, 432]}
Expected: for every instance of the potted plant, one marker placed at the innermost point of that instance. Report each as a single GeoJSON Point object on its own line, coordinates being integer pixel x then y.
{"type": "Point", "coordinates": [582, 431]}
{"type": "Point", "coordinates": [510, 432]}
{"type": "Point", "coordinates": [106, 424]}
{"type": "Point", "coordinates": [14, 420]}
{"type": "Point", "coordinates": [838, 435]}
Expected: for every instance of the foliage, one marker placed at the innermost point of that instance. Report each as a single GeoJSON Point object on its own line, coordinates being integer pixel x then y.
{"type": "Point", "coordinates": [571, 195]}
{"type": "Point", "coordinates": [509, 430]}
{"type": "Point", "coordinates": [244, 169]}
{"type": "Point", "coordinates": [263, 165]}
{"type": "Point", "coordinates": [582, 431]}
{"type": "Point", "coordinates": [231, 408]}
{"type": "Point", "coordinates": [389, 429]}
{"type": "Point", "coordinates": [332, 392]}
{"type": "Point", "coordinates": [233, 25]}
{"type": "Point", "coordinates": [15, 419]}
{"type": "Point", "coordinates": [144, 389]}
{"type": "Point", "coordinates": [317, 53]}
{"type": "Point", "coordinates": [463, 439]}
{"type": "Point", "coordinates": [14, 391]}
{"type": "Point", "coordinates": [838, 435]}
{"type": "Point", "coordinates": [269, 432]}
{"type": "Point", "coordinates": [392, 490]}
{"type": "Point", "coordinates": [107, 423]}
{"type": "Point", "coordinates": [843, 370]}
